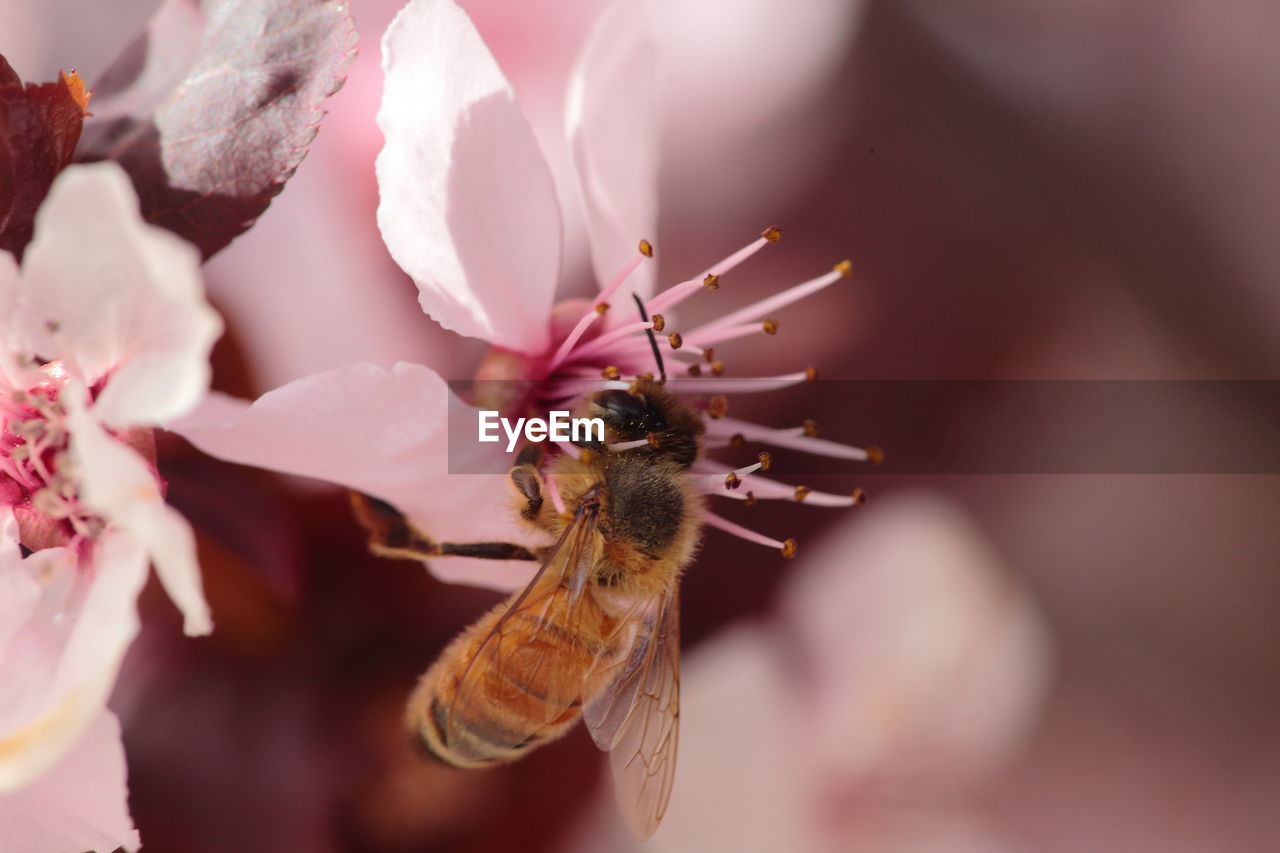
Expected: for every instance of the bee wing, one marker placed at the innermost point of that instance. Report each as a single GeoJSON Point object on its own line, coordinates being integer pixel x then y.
{"type": "Point", "coordinates": [528, 640]}
{"type": "Point", "coordinates": [636, 717]}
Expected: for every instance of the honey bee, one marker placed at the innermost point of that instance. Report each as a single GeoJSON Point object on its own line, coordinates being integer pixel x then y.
{"type": "Point", "coordinates": [595, 634]}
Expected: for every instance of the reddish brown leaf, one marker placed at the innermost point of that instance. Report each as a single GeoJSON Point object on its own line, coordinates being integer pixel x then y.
{"type": "Point", "coordinates": [39, 127]}
{"type": "Point", "coordinates": [212, 110]}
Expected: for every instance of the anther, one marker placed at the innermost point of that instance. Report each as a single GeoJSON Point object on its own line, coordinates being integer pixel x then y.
{"type": "Point", "coordinates": [695, 370]}
{"type": "Point", "coordinates": [802, 492]}
{"type": "Point", "coordinates": [718, 406]}
{"type": "Point", "coordinates": [751, 499]}
{"type": "Point", "coordinates": [602, 307]}
{"type": "Point", "coordinates": [766, 461]}
{"type": "Point", "coordinates": [810, 374]}
{"type": "Point", "coordinates": [655, 441]}
{"type": "Point", "coordinates": [737, 440]}
{"type": "Point", "coordinates": [773, 235]}
{"type": "Point", "coordinates": [732, 480]}
{"type": "Point", "coordinates": [611, 372]}
{"type": "Point", "coordinates": [717, 367]}
{"type": "Point", "coordinates": [788, 549]}
{"type": "Point", "coordinates": [712, 282]}
{"type": "Point", "coordinates": [810, 428]}
{"type": "Point", "coordinates": [646, 248]}
{"type": "Point", "coordinates": [770, 327]}
{"type": "Point", "coordinates": [859, 496]}
{"type": "Point", "coordinates": [844, 268]}
{"type": "Point", "coordinates": [709, 354]}
{"type": "Point", "coordinates": [659, 322]}
{"type": "Point", "coordinates": [875, 455]}
{"type": "Point", "coordinates": [675, 340]}
{"type": "Point", "coordinates": [645, 377]}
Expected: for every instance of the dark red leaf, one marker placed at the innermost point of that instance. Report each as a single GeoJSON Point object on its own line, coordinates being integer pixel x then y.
{"type": "Point", "coordinates": [212, 110]}
{"type": "Point", "coordinates": [39, 127]}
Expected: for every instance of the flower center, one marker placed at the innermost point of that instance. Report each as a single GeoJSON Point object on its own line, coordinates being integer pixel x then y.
{"type": "Point", "coordinates": [589, 356]}
{"type": "Point", "coordinates": [37, 477]}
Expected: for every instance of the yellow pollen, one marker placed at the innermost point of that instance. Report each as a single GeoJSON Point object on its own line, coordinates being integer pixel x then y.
{"type": "Point", "coordinates": [770, 327]}
{"type": "Point", "coordinates": [695, 370]}
{"type": "Point", "coordinates": [875, 455]}
{"type": "Point", "coordinates": [602, 307]}
{"type": "Point", "coordinates": [811, 428]}
{"type": "Point", "coordinates": [859, 496]}
{"type": "Point", "coordinates": [718, 406]}
{"type": "Point", "coordinates": [655, 441]}
{"type": "Point", "coordinates": [646, 248]}
{"type": "Point", "coordinates": [789, 549]}
{"type": "Point", "coordinates": [737, 440]}
{"type": "Point", "coordinates": [675, 340]}
{"type": "Point", "coordinates": [765, 460]}
{"type": "Point", "coordinates": [717, 367]}
{"type": "Point", "coordinates": [611, 372]}
{"type": "Point", "coordinates": [712, 282]}
{"type": "Point", "coordinates": [802, 492]}
{"type": "Point", "coordinates": [647, 377]}
{"type": "Point", "coordinates": [751, 499]}
{"type": "Point", "coordinates": [773, 235]}
{"type": "Point", "coordinates": [844, 268]}
{"type": "Point", "coordinates": [810, 374]}
{"type": "Point", "coordinates": [659, 322]}
{"type": "Point", "coordinates": [732, 480]}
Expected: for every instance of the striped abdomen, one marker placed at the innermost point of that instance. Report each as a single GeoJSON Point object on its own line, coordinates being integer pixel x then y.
{"type": "Point", "coordinates": [492, 696]}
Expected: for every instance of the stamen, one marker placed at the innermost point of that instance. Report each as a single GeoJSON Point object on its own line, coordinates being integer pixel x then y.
{"type": "Point", "coordinates": [766, 489]}
{"type": "Point", "coordinates": [602, 299]}
{"type": "Point", "coordinates": [705, 334]}
{"type": "Point", "coordinates": [797, 438]}
{"type": "Point", "coordinates": [741, 532]}
{"type": "Point", "coordinates": [611, 337]}
{"type": "Point", "coordinates": [554, 491]}
{"type": "Point", "coordinates": [710, 278]}
{"type": "Point", "coordinates": [740, 386]}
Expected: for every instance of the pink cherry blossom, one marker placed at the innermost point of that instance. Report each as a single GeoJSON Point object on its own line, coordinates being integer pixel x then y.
{"type": "Point", "coordinates": [104, 334]}
{"type": "Point", "coordinates": [766, 77]}
{"type": "Point", "coordinates": [469, 209]}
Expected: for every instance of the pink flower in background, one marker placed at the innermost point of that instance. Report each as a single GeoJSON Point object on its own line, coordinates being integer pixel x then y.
{"type": "Point", "coordinates": [904, 672]}
{"type": "Point", "coordinates": [104, 334]}
{"type": "Point", "coordinates": [469, 209]}
{"type": "Point", "coordinates": [741, 126]}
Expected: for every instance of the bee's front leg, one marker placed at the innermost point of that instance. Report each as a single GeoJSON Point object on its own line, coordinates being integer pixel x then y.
{"type": "Point", "coordinates": [392, 535]}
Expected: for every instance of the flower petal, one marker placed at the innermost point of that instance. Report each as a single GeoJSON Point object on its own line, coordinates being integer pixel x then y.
{"type": "Point", "coordinates": [382, 432]}
{"type": "Point", "coordinates": [122, 296]}
{"type": "Point", "coordinates": [59, 666]}
{"type": "Point", "coordinates": [468, 208]}
{"type": "Point", "coordinates": [81, 803]}
{"type": "Point", "coordinates": [612, 120]}
{"type": "Point", "coordinates": [116, 483]}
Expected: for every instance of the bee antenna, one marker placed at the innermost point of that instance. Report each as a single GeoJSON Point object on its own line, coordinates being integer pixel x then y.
{"type": "Point", "coordinates": [653, 341]}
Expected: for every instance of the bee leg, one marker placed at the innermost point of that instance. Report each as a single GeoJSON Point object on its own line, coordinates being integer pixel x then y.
{"type": "Point", "coordinates": [391, 535]}
{"type": "Point", "coordinates": [528, 482]}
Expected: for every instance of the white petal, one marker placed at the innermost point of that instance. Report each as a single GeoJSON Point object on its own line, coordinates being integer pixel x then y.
{"type": "Point", "coordinates": [467, 206]}
{"type": "Point", "coordinates": [59, 666]}
{"type": "Point", "coordinates": [382, 432]}
{"type": "Point", "coordinates": [613, 127]}
{"type": "Point", "coordinates": [117, 484]}
{"type": "Point", "coordinates": [124, 295]}
{"type": "Point", "coordinates": [80, 804]}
